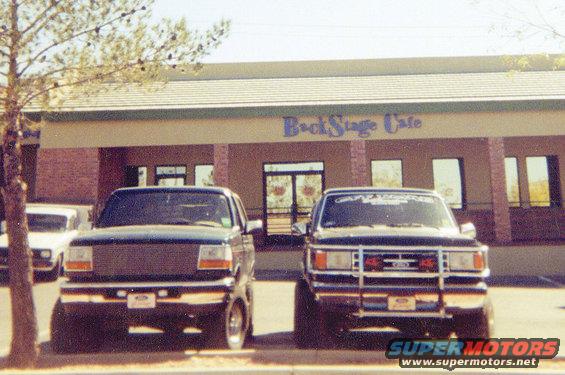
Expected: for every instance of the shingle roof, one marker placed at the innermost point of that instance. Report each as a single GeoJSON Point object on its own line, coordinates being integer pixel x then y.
{"type": "Point", "coordinates": [319, 91]}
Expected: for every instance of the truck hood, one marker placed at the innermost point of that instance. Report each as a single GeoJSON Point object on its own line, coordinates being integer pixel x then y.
{"type": "Point", "coordinates": [154, 234]}
{"type": "Point", "coordinates": [403, 236]}
{"type": "Point", "coordinates": [40, 240]}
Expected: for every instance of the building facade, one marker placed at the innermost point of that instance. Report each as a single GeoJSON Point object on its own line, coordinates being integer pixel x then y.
{"type": "Point", "coordinates": [492, 142]}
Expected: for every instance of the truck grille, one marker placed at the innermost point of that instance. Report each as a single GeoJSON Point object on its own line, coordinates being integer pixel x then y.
{"type": "Point", "coordinates": [399, 260]}
{"type": "Point", "coordinates": [145, 260]}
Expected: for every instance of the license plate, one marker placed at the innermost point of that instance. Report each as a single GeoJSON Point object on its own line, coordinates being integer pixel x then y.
{"type": "Point", "coordinates": [141, 301]}
{"type": "Point", "coordinates": [401, 303]}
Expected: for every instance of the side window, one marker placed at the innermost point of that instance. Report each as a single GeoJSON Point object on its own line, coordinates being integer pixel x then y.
{"type": "Point", "coordinates": [170, 175]}
{"type": "Point", "coordinates": [543, 181]}
{"type": "Point", "coordinates": [73, 223]}
{"type": "Point", "coordinates": [241, 214]}
{"type": "Point", "coordinates": [386, 173]}
{"type": "Point", "coordinates": [449, 181]}
{"type": "Point", "coordinates": [135, 176]}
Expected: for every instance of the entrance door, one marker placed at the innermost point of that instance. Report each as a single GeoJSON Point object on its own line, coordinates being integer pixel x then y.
{"type": "Point", "coordinates": [290, 192]}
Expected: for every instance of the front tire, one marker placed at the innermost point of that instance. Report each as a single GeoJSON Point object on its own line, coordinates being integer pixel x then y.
{"type": "Point", "coordinates": [306, 317]}
{"type": "Point", "coordinates": [479, 324]}
{"type": "Point", "coordinates": [228, 329]}
{"type": "Point", "coordinates": [313, 328]}
{"type": "Point", "coordinates": [71, 333]}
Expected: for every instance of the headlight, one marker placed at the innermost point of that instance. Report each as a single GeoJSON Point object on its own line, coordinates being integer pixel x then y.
{"type": "Point", "coordinates": [215, 257]}
{"type": "Point", "coordinates": [466, 261]}
{"type": "Point", "coordinates": [45, 254]}
{"type": "Point", "coordinates": [79, 259]}
{"type": "Point", "coordinates": [332, 260]}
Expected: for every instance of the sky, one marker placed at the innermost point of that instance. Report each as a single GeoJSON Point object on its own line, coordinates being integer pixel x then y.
{"type": "Point", "coordinates": [290, 30]}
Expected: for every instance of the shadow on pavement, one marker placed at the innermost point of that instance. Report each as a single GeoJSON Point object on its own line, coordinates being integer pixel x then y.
{"type": "Point", "coordinates": [139, 349]}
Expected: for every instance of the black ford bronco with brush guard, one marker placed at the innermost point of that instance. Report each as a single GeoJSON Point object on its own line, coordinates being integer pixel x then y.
{"type": "Point", "coordinates": [389, 258]}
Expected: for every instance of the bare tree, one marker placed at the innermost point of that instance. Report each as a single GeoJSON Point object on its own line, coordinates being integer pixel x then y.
{"type": "Point", "coordinates": [52, 50]}
{"type": "Point", "coordinates": [537, 22]}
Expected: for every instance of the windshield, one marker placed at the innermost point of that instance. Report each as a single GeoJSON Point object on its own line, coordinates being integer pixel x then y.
{"type": "Point", "coordinates": [170, 208]}
{"type": "Point", "coordinates": [46, 223]}
{"type": "Point", "coordinates": [390, 209]}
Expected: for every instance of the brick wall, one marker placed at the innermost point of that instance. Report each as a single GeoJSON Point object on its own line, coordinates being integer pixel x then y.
{"type": "Point", "coordinates": [358, 158]}
{"type": "Point", "coordinates": [501, 210]}
{"type": "Point", "coordinates": [67, 175]}
{"type": "Point", "coordinates": [111, 172]}
{"type": "Point", "coordinates": [221, 165]}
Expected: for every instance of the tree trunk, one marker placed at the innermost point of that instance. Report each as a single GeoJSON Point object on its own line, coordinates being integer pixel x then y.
{"type": "Point", "coordinates": [24, 350]}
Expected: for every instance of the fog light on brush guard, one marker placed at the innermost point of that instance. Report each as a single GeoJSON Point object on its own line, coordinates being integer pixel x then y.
{"type": "Point", "coordinates": [215, 257]}
{"type": "Point", "coordinates": [427, 263]}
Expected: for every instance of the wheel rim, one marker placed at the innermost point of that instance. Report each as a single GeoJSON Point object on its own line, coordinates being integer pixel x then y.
{"type": "Point", "coordinates": [235, 324]}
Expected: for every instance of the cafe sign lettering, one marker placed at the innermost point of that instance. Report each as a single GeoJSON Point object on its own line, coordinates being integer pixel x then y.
{"type": "Point", "coordinates": [336, 126]}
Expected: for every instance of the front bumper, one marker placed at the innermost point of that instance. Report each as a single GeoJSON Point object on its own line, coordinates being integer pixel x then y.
{"type": "Point", "coordinates": [360, 293]}
{"type": "Point", "coordinates": [373, 301]}
{"type": "Point", "coordinates": [171, 298]}
{"type": "Point", "coordinates": [40, 265]}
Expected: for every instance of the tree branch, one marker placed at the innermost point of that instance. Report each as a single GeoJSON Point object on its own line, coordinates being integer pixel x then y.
{"type": "Point", "coordinates": [63, 41]}
{"type": "Point", "coordinates": [99, 77]}
{"type": "Point", "coordinates": [41, 15]}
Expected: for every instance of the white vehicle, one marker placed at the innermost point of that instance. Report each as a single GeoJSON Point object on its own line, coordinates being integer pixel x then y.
{"type": "Point", "coordinates": [51, 229]}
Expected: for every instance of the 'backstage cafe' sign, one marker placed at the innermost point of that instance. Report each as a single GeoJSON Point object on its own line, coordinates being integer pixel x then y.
{"type": "Point", "coordinates": [336, 126]}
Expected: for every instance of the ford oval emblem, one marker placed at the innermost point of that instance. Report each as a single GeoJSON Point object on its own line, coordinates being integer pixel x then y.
{"type": "Point", "coordinates": [400, 264]}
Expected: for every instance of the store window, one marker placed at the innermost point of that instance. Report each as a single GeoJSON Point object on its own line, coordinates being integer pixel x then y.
{"type": "Point", "coordinates": [512, 182]}
{"type": "Point", "coordinates": [136, 176]}
{"type": "Point", "coordinates": [386, 173]}
{"type": "Point", "coordinates": [170, 175]}
{"type": "Point", "coordinates": [448, 181]}
{"type": "Point", "coordinates": [204, 175]}
{"type": "Point", "coordinates": [543, 181]}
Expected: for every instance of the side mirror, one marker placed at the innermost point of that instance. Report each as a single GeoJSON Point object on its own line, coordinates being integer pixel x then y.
{"type": "Point", "coordinates": [468, 229]}
{"type": "Point", "coordinates": [254, 227]}
{"type": "Point", "coordinates": [300, 229]}
{"type": "Point", "coordinates": [84, 226]}
{"type": "Point", "coordinates": [3, 227]}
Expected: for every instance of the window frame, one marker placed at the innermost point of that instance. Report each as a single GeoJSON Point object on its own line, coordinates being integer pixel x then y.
{"type": "Point", "coordinates": [553, 182]}
{"type": "Point", "coordinates": [520, 201]}
{"type": "Point", "coordinates": [461, 165]}
{"type": "Point", "coordinates": [203, 165]}
{"type": "Point", "coordinates": [168, 175]}
{"type": "Point", "coordinates": [137, 167]}
{"type": "Point", "coordinates": [392, 159]}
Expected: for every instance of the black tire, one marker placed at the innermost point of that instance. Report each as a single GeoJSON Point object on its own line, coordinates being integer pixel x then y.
{"type": "Point", "coordinates": [440, 330]}
{"type": "Point", "coordinates": [313, 328]}
{"type": "Point", "coordinates": [228, 329]}
{"type": "Point", "coordinates": [54, 274]}
{"type": "Point", "coordinates": [250, 329]}
{"type": "Point", "coordinates": [306, 315]}
{"type": "Point", "coordinates": [73, 334]}
{"type": "Point", "coordinates": [479, 324]}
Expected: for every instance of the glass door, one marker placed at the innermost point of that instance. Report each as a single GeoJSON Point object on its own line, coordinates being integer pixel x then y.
{"type": "Point", "coordinates": [290, 192]}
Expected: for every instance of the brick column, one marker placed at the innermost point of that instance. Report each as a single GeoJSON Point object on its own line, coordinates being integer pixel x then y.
{"type": "Point", "coordinates": [500, 207]}
{"type": "Point", "coordinates": [221, 165]}
{"type": "Point", "coordinates": [358, 159]}
{"type": "Point", "coordinates": [67, 175]}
